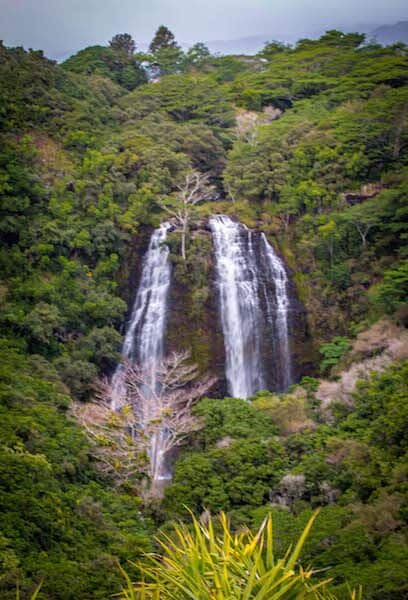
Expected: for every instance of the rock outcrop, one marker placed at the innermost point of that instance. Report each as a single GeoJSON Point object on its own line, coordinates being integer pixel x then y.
{"type": "Point", "coordinates": [373, 350]}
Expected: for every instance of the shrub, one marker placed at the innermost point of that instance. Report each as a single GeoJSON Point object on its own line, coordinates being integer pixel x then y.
{"type": "Point", "coordinates": [391, 294]}
{"type": "Point", "coordinates": [333, 351]}
{"type": "Point", "coordinates": [212, 562]}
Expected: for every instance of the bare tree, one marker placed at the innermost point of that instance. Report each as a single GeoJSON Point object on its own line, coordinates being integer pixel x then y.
{"type": "Point", "coordinates": [114, 448]}
{"type": "Point", "coordinates": [153, 419]}
{"type": "Point", "coordinates": [180, 205]}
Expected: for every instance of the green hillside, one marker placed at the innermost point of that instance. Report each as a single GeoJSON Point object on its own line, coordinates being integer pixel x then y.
{"type": "Point", "coordinates": [307, 144]}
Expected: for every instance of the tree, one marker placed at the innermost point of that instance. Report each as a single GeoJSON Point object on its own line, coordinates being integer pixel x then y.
{"type": "Point", "coordinates": [329, 234]}
{"type": "Point", "coordinates": [272, 48]}
{"type": "Point", "coordinates": [197, 55]}
{"type": "Point", "coordinates": [44, 324]}
{"type": "Point", "coordinates": [114, 62]}
{"type": "Point", "coordinates": [167, 54]}
{"type": "Point", "coordinates": [287, 208]}
{"type": "Point", "coordinates": [391, 293]}
{"type": "Point", "coordinates": [124, 43]}
{"type": "Point", "coordinates": [166, 61]}
{"type": "Point", "coordinates": [363, 217]}
{"type": "Point", "coordinates": [181, 205]}
{"type": "Point", "coordinates": [154, 416]}
{"type": "Point", "coordinates": [339, 39]}
{"type": "Point", "coordinates": [163, 38]}
{"type": "Point", "coordinates": [363, 224]}
{"type": "Point", "coordinates": [333, 351]}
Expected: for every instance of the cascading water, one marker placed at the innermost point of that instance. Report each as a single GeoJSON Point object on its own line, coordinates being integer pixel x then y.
{"type": "Point", "coordinates": [144, 338]}
{"type": "Point", "coordinates": [254, 308]}
{"type": "Point", "coordinates": [278, 314]}
{"type": "Point", "coordinates": [239, 305]}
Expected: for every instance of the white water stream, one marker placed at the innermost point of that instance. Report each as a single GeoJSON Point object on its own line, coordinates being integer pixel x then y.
{"type": "Point", "coordinates": [254, 307]}
{"type": "Point", "coordinates": [144, 338]}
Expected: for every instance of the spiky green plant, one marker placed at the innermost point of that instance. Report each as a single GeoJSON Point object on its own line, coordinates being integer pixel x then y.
{"type": "Point", "coordinates": [33, 596]}
{"type": "Point", "coordinates": [202, 564]}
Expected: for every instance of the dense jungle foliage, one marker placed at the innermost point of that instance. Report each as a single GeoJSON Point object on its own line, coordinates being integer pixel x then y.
{"type": "Point", "coordinates": [307, 143]}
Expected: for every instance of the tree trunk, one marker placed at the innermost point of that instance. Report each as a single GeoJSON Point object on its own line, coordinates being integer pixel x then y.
{"type": "Point", "coordinates": [363, 233]}
{"type": "Point", "coordinates": [183, 240]}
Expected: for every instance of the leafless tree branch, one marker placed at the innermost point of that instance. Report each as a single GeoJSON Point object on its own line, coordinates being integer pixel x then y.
{"type": "Point", "coordinates": [153, 418]}
{"type": "Point", "coordinates": [195, 188]}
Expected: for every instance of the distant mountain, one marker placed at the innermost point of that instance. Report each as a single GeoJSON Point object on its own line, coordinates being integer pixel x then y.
{"type": "Point", "coordinates": [384, 34]}
{"type": "Point", "coordinates": [255, 43]}
{"type": "Point", "coordinates": [247, 45]}
{"type": "Point", "coordinates": [389, 34]}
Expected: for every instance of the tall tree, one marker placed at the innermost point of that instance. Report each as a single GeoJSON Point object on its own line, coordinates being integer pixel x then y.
{"type": "Point", "coordinates": [166, 53]}
{"type": "Point", "coordinates": [167, 61]}
{"type": "Point", "coordinates": [163, 38]}
{"type": "Point", "coordinates": [271, 49]}
{"type": "Point", "coordinates": [124, 43]}
{"type": "Point", "coordinates": [364, 217]}
{"type": "Point", "coordinates": [197, 55]}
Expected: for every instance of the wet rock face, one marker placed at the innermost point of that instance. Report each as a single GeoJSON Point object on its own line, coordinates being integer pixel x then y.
{"type": "Point", "coordinates": [193, 321]}
{"type": "Point", "coordinates": [301, 343]}
{"type": "Point", "coordinates": [131, 269]}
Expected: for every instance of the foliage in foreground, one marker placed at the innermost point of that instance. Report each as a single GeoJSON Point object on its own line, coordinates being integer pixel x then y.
{"type": "Point", "coordinates": [274, 456]}
{"type": "Point", "coordinates": [212, 562]}
{"type": "Point", "coordinates": [60, 522]}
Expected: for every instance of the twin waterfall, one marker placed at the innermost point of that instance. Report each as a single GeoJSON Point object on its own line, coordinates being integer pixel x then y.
{"type": "Point", "coordinates": [254, 308]}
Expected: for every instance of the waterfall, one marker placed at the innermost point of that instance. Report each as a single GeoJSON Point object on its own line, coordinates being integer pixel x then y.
{"type": "Point", "coordinates": [278, 314]}
{"type": "Point", "coordinates": [254, 309]}
{"type": "Point", "coordinates": [239, 305]}
{"type": "Point", "coordinates": [144, 338]}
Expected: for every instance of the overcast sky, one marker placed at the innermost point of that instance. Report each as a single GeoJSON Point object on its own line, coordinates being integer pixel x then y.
{"type": "Point", "coordinates": [61, 27]}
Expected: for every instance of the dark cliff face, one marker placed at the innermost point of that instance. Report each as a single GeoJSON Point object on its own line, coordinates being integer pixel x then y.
{"type": "Point", "coordinates": [131, 269]}
{"type": "Point", "coordinates": [301, 341]}
{"type": "Point", "coordinates": [193, 320]}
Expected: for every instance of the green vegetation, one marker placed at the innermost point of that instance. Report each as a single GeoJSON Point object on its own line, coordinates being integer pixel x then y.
{"type": "Point", "coordinates": [308, 144]}
{"type": "Point", "coordinates": [109, 62]}
{"type": "Point", "coordinates": [275, 455]}
{"type": "Point", "coordinates": [213, 561]}
{"type": "Point", "coordinates": [391, 294]}
{"type": "Point", "coordinates": [333, 351]}
{"type": "Point", "coordinates": [58, 516]}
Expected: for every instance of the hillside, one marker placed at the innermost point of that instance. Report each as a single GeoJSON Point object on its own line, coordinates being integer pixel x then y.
{"type": "Point", "coordinates": [306, 145]}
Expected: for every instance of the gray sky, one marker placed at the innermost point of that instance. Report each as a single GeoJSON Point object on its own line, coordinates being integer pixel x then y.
{"type": "Point", "coordinates": [61, 27]}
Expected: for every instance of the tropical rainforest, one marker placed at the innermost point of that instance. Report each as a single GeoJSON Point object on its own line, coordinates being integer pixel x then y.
{"type": "Point", "coordinates": [306, 143]}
